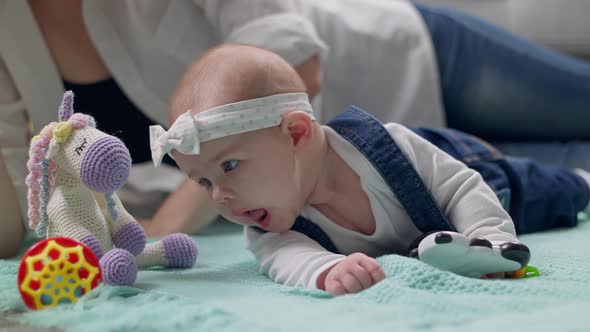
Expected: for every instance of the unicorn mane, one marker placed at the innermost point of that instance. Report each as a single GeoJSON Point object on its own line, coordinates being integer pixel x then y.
{"type": "Point", "coordinates": [42, 168]}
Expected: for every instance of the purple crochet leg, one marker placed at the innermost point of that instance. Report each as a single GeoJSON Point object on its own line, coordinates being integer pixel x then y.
{"type": "Point", "coordinates": [180, 250]}
{"type": "Point", "coordinates": [93, 244]}
{"type": "Point", "coordinates": [119, 268]}
{"type": "Point", "coordinates": [130, 237]}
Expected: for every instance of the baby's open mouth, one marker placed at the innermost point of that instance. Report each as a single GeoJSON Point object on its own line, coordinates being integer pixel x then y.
{"type": "Point", "coordinates": [260, 216]}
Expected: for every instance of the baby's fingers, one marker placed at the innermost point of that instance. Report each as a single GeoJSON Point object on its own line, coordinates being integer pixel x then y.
{"type": "Point", "coordinates": [373, 269]}
{"type": "Point", "coordinates": [335, 287]}
{"type": "Point", "coordinates": [351, 283]}
{"type": "Point", "coordinates": [362, 275]}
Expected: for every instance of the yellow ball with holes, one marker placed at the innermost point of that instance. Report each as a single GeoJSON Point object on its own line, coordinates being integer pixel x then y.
{"type": "Point", "coordinates": [57, 270]}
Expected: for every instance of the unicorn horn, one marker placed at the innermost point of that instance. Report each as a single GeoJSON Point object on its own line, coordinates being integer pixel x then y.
{"type": "Point", "coordinates": [66, 109]}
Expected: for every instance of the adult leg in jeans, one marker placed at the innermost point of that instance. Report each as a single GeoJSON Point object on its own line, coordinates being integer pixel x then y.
{"type": "Point", "coordinates": [502, 87]}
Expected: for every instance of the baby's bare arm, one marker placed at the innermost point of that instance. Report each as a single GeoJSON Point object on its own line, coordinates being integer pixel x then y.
{"type": "Point", "coordinates": [11, 226]}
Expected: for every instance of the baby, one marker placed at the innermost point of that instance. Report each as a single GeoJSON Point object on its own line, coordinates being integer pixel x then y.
{"type": "Point", "coordinates": [319, 202]}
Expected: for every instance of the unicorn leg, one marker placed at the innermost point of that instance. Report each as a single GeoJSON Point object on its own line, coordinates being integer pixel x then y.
{"type": "Point", "coordinates": [119, 267]}
{"type": "Point", "coordinates": [175, 250]}
{"type": "Point", "coordinates": [129, 236]}
{"type": "Point", "coordinates": [93, 244]}
{"type": "Point", "coordinates": [126, 232]}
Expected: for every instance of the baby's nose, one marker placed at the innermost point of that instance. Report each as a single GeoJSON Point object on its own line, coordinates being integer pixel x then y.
{"type": "Point", "coordinates": [106, 165]}
{"type": "Point", "coordinates": [218, 194]}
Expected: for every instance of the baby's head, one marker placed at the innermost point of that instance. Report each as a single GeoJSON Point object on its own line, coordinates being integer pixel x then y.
{"type": "Point", "coordinates": [232, 73]}
{"type": "Point", "coordinates": [250, 137]}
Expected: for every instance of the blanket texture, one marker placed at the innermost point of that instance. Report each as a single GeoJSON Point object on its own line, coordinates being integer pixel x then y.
{"type": "Point", "coordinates": [226, 292]}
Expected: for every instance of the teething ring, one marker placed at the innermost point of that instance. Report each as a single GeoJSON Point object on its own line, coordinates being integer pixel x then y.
{"type": "Point", "coordinates": [57, 270]}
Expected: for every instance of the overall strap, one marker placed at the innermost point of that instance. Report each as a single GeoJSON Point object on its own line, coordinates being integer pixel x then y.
{"type": "Point", "coordinates": [314, 232]}
{"type": "Point", "coordinates": [371, 138]}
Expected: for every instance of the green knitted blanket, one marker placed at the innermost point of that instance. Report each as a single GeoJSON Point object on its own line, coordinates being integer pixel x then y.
{"type": "Point", "coordinates": [226, 292]}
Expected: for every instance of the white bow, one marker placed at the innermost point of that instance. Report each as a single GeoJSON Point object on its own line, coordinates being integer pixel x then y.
{"type": "Point", "coordinates": [183, 136]}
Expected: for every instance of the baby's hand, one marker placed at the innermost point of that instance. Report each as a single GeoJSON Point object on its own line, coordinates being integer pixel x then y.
{"type": "Point", "coordinates": [353, 274]}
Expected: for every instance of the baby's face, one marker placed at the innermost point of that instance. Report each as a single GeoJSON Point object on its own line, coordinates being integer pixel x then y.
{"type": "Point", "coordinates": [251, 178]}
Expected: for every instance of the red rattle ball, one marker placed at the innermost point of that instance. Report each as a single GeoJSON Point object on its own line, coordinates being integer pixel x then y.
{"type": "Point", "coordinates": [57, 270]}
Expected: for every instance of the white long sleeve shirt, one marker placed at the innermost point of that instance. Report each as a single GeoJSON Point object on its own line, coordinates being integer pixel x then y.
{"type": "Point", "coordinates": [468, 202]}
{"type": "Point", "coordinates": [376, 54]}
{"type": "Point", "coordinates": [146, 46]}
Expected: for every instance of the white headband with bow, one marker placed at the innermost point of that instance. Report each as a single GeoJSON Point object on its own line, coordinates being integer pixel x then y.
{"type": "Point", "coordinates": [188, 131]}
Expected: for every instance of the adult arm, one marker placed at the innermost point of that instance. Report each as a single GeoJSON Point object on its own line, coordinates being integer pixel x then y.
{"type": "Point", "coordinates": [12, 229]}
{"type": "Point", "coordinates": [13, 144]}
{"type": "Point", "coordinates": [187, 210]}
{"type": "Point", "coordinates": [275, 25]}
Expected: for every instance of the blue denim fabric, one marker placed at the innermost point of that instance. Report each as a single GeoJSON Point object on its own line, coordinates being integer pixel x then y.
{"type": "Point", "coordinates": [502, 87]}
{"type": "Point", "coordinates": [538, 197]}
{"type": "Point", "coordinates": [476, 154]}
{"type": "Point", "coordinates": [371, 138]}
{"type": "Point", "coordinates": [543, 197]}
{"type": "Point", "coordinates": [314, 232]}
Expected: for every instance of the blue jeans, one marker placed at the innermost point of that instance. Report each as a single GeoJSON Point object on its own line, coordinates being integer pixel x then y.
{"type": "Point", "coordinates": [537, 196]}
{"type": "Point", "coordinates": [501, 87]}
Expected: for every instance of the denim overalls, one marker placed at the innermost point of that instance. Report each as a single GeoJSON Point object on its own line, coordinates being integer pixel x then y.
{"type": "Point", "coordinates": [536, 196]}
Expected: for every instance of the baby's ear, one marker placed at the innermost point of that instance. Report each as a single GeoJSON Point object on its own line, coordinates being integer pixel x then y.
{"type": "Point", "coordinates": [298, 125]}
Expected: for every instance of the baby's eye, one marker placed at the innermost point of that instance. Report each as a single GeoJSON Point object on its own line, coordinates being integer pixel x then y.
{"type": "Point", "coordinates": [204, 182]}
{"type": "Point", "coordinates": [229, 165]}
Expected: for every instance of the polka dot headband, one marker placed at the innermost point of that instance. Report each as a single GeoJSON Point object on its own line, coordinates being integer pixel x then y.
{"type": "Point", "coordinates": [189, 131]}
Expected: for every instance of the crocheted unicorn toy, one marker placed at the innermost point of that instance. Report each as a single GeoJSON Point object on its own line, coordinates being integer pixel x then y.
{"type": "Point", "coordinates": [74, 172]}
